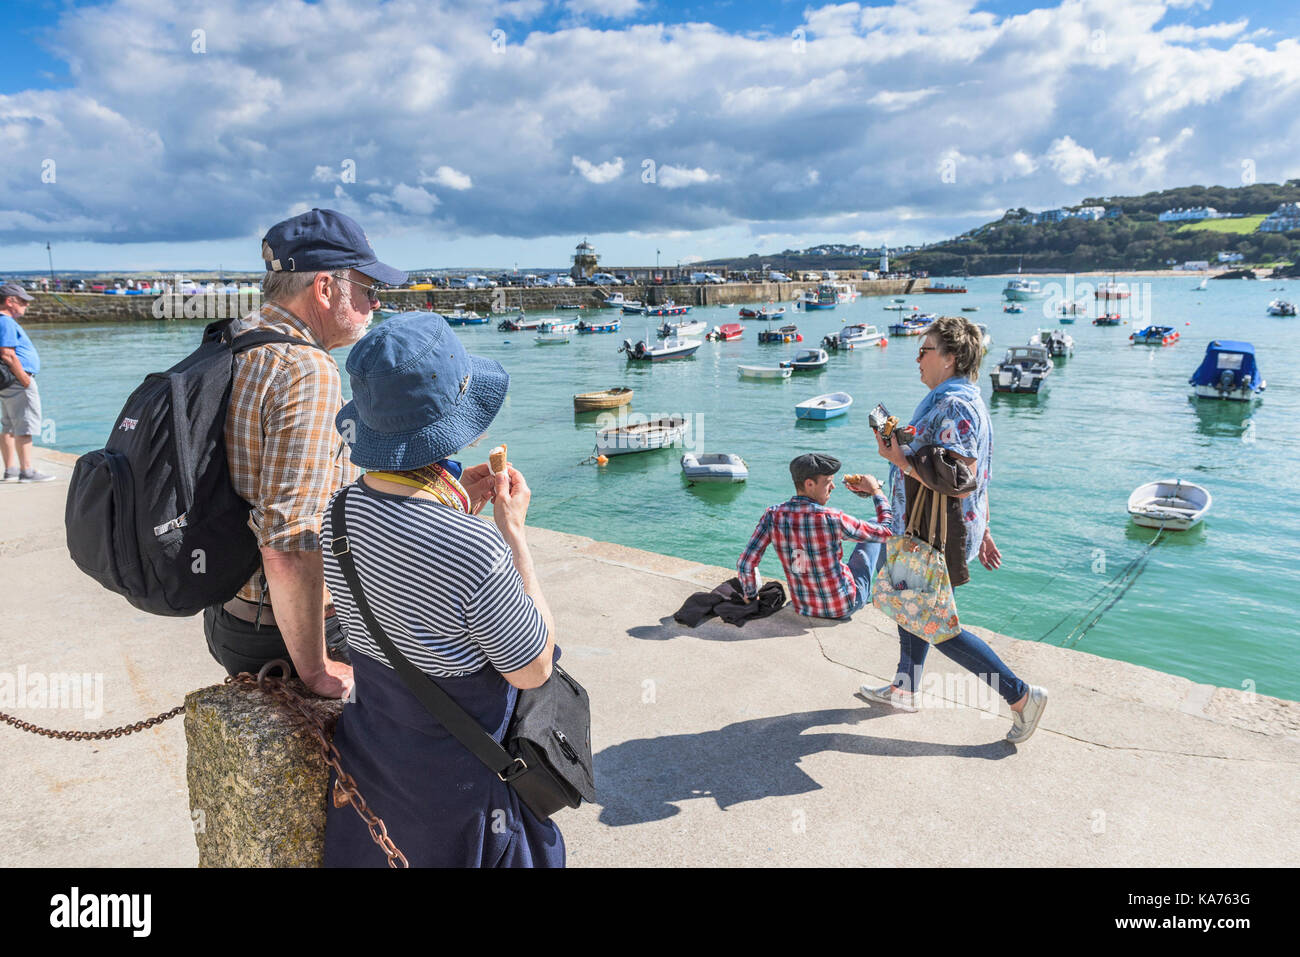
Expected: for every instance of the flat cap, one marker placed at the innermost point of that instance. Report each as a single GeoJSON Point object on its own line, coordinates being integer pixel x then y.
{"type": "Point", "coordinates": [811, 465]}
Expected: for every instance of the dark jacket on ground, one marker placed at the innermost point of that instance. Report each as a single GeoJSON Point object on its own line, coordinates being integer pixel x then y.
{"type": "Point", "coordinates": [728, 603]}
{"type": "Point", "coordinates": [948, 474]}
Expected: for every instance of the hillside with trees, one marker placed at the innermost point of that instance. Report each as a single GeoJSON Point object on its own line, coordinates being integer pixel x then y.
{"type": "Point", "coordinates": [1134, 239]}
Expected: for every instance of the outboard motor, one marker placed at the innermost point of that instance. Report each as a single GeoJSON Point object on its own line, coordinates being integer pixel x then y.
{"type": "Point", "coordinates": [1226, 379]}
{"type": "Point", "coordinates": [626, 346]}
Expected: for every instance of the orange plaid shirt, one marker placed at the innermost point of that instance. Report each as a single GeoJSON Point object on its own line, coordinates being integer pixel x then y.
{"type": "Point", "coordinates": [285, 454]}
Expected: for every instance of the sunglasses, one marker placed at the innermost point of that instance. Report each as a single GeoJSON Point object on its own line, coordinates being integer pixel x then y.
{"type": "Point", "coordinates": [372, 291]}
{"type": "Point", "coordinates": [924, 349]}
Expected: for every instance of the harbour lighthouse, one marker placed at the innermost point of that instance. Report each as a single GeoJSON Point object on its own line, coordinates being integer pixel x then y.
{"type": "Point", "coordinates": [585, 259]}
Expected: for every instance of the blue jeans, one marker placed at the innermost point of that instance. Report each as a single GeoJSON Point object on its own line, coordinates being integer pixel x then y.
{"type": "Point", "coordinates": [968, 651]}
{"type": "Point", "coordinates": [866, 558]}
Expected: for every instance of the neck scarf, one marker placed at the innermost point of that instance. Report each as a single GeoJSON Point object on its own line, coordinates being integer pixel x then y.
{"type": "Point", "coordinates": [959, 386]}
{"type": "Point", "coordinates": [439, 479]}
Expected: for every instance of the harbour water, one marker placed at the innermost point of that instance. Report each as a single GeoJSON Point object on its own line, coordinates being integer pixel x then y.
{"type": "Point", "coordinates": [1218, 604]}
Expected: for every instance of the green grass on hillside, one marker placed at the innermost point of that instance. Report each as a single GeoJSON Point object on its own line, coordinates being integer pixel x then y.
{"type": "Point", "coordinates": [1244, 225]}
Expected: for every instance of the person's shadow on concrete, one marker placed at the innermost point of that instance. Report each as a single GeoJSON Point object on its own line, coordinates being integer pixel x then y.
{"type": "Point", "coordinates": [638, 781]}
{"type": "Point", "coordinates": [780, 625]}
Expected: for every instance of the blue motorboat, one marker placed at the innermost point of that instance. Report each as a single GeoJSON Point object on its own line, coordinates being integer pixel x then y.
{"type": "Point", "coordinates": [1155, 336]}
{"type": "Point", "coordinates": [1228, 371]}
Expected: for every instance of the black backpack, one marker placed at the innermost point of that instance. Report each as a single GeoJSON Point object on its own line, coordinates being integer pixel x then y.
{"type": "Point", "coordinates": [153, 515]}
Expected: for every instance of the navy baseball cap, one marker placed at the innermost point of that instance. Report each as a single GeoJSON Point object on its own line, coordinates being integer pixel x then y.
{"type": "Point", "coordinates": [322, 241]}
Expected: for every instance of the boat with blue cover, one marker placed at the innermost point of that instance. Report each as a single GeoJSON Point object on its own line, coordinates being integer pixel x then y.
{"type": "Point", "coordinates": [1155, 336]}
{"type": "Point", "coordinates": [1228, 371]}
{"type": "Point", "coordinates": [784, 334]}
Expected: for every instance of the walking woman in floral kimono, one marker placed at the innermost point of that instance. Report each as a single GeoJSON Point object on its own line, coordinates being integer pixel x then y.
{"type": "Point", "coordinates": [951, 454]}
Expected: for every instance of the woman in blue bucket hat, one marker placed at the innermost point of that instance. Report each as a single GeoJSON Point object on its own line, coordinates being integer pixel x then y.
{"type": "Point", "coordinates": [456, 595]}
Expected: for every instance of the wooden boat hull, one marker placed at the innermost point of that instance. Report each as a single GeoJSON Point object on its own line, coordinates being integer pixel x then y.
{"type": "Point", "coordinates": [605, 399]}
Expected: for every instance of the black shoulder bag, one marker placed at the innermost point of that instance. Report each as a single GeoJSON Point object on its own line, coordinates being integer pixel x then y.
{"type": "Point", "coordinates": [547, 753]}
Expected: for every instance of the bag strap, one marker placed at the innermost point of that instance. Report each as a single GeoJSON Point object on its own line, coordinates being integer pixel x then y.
{"type": "Point", "coordinates": [251, 340]}
{"type": "Point", "coordinates": [438, 703]}
{"type": "Point", "coordinates": [914, 510]}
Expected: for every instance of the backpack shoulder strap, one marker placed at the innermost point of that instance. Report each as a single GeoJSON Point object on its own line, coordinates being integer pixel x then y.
{"type": "Point", "coordinates": [251, 340]}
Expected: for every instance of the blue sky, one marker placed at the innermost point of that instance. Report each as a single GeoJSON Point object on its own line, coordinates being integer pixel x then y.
{"type": "Point", "coordinates": [168, 134]}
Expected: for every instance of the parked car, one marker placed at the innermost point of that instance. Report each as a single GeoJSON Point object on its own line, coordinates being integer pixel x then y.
{"type": "Point", "coordinates": [563, 280]}
{"type": "Point", "coordinates": [603, 279]}
{"type": "Point", "coordinates": [775, 276]}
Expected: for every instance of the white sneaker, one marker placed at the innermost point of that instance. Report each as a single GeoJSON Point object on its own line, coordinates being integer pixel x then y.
{"type": "Point", "coordinates": [891, 695]}
{"type": "Point", "coordinates": [1024, 722]}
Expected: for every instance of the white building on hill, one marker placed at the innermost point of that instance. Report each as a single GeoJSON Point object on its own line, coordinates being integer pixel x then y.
{"type": "Point", "coordinates": [1282, 220]}
{"type": "Point", "coordinates": [1192, 214]}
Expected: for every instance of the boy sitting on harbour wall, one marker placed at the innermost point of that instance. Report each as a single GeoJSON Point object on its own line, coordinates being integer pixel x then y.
{"type": "Point", "coordinates": [807, 537]}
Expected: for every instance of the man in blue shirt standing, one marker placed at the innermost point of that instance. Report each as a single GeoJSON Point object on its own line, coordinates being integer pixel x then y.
{"type": "Point", "coordinates": [20, 403]}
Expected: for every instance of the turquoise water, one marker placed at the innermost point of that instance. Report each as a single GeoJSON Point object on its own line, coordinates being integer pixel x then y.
{"type": "Point", "coordinates": [1218, 604]}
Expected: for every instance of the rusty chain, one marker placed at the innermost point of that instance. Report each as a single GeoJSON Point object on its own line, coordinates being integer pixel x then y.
{"type": "Point", "coordinates": [345, 787]}
{"type": "Point", "coordinates": [92, 735]}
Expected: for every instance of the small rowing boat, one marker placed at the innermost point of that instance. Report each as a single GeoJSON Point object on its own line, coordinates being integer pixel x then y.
{"type": "Point", "coordinates": [764, 372]}
{"type": "Point", "coordinates": [604, 399]}
{"type": "Point", "coordinates": [1171, 504]}
{"type": "Point", "coordinates": [641, 437]}
{"type": "Point", "coordinates": [828, 406]}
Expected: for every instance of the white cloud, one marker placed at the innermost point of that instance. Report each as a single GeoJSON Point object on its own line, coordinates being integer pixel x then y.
{"type": "Point", "coordinates": [610, 9]}
{"type": "Point", "coordinates": [842, 133]}
{"type": "Point", "coordinates": [675, 177]}
{"type": "Point", "coordinates": [605, 172]}
{"type": "Point", "coordinates": [1073, 162]}
{"type": "Point", "coordinates": [414, 199]}
{"type": "Point", "coordinates": [450, 178]}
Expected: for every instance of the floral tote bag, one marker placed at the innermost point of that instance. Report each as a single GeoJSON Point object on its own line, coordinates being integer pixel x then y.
{"type": "Point", "coordinates": [912, 587]}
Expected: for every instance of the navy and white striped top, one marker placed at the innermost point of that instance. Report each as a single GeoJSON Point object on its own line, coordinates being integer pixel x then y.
{"type": "Point", "coordinates": [443, 585]}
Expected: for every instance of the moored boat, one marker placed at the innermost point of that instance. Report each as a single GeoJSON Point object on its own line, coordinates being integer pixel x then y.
{"type": "Point", "coordinates": [691, 328]}
{"type": "Point", "coordinates": [604, 399]}
{"type": "Point", "coordinates": [714, 467]}
{"type": "Point", "coordinates": [552, 338]}
{"type": "Point", "coordinates": [552, 326]}
{"type": "Point", "coordinates": [784, 334]}
{"type": "Point", "coordinates": [727, 332]}
{"type": "Point", "coordinates": [1155, 336]}
{"type": "Point", "coordinates": [1022, 369]}
{"type": "Point", "coordinates": [1023, 290]}
{"type": "Point", "coordinates": [519, 323]}
{"type": "Point", "coordinates": [618, 300]}
{"type": "Point", "coordinates": [1171, 504]}
{"type": "Point", "coordinates": [1113, 319]}
{"type": "Point", "coordinates": [764, 372]}
{"type": "Point", "coordinates": [460, 316]}
{"type": "Point", "coordinates": [1059, 345]}
{"type": "Point", "coordinates": [1111, 290]}
{"type": "Point", "coordinates": [911, 326]}
{"type": "Point", "coordinates": [824, 297]}
{"type": "Point", "coordinates": [970, 308]}
{"type": "Point", "coordinates": [1228, 371]}
{"type": "Point", "coordinates": [641, 437]}
{"type": "Point", "coordinates": [986, 337]}
{"type": "Point", "coordinates": [808, 360]}
{"type": "Point", "coordinates": [668, 308]}
{"type": "Point", "coordinates": [852, 337]}
{"type": "Point", "coordinates": [1279, 307]}
{"type": "Point", "coordinates": [828, 406]}
{"type": "Point", "coordinates": [605, 325]}
{"type": "Point", "coordinates": [764, 313]}
{"type": "Point", "coordinates": [668, 349]}
{"type": "Point", "coordinates": [1013, 307]}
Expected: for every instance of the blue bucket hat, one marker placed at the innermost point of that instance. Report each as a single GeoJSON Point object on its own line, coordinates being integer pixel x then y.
{"type": "Point", "coordinates": [417, 394]}
{"type": "Point", "coordinates": [324, 240]}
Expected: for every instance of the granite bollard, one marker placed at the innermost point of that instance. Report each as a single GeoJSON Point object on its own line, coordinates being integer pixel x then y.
{"type": "Point", "coordinates": [256, 776]}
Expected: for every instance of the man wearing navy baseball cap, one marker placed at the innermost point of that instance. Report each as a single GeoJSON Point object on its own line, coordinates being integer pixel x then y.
{"type": "Point", "coordinates": [285, 455]}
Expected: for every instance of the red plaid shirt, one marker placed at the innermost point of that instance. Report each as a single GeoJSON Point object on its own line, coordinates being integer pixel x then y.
{"type": "Point", "coordinates": [807, 538]}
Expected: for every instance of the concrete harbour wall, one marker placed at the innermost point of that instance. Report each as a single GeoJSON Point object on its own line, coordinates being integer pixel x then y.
{"type": "Point", "coordinates": [99, 307]}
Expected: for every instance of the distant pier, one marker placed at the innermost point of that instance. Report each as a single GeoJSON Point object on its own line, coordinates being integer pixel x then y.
{"type": "Point", "coordinates": [101, 307]}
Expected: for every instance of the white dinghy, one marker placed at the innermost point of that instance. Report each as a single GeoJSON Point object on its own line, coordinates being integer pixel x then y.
{"type": "Point", "coordinates": [1170, 504]}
